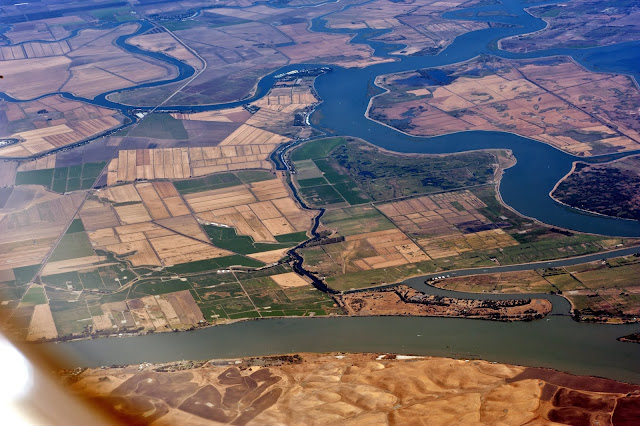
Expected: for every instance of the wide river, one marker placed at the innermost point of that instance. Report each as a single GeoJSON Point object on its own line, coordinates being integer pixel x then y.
{"type": "Point", "coordinates": [556, 342]}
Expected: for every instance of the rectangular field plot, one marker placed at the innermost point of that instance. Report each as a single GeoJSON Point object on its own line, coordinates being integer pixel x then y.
{"type": "Point", "coordinates": [261, 210]}
{"type": "Point", "coordinates": [321, 182]}
{"type": "Point", "coordinates": [62, 179]}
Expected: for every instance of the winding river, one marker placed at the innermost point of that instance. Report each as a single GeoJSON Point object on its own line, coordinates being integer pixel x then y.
{"type": "Point", "coordinates": [556, 342]}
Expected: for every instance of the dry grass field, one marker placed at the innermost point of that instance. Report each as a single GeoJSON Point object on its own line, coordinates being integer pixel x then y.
{"type": "Point", "coordinates": [446, 224]}
{"type": "Point", "coordinates": [50, 123]}
{"type": "Point", "coordinates": [231, 115]}
{"type": "Point", "coordinates": [44, 29]}
{"type": "Point", "coordinates": [246, 148]}
{"type": "Point", "coordinates": [86, 65]}
{"type": "Point", "coordinates": [42, 325]}
{"type": "Point", "coordinates": [148, 224]}
{"type": "Point", "coordinates": [435, 214]}
{"type": "Point", "coordinates": [261, 210]}
{"type": "Point", "coordinates": [165, 43]}
{"type": "Point", "coordinates": [418, 24]}
{"type": "Point", "coordinates": [165, 312]}
{"type": "Point", "coordinates": [26, 236]}
{"type": "Point", "coordinates": [282, 103]}
{"type": "Point", "coordinates": [389, 248]}
{"type": "Point", "coordinates": [289, 280]}
{"type": "Point", "coordinates": [327, 48]}
{"type": "Point", "coordinates": [557, 102]}
{"type": "Point", "coordinates": [354, 389]}
{"type": "Point", "coordinates": [46, 162]}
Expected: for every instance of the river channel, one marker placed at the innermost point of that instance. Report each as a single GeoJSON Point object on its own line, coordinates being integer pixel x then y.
{"type": "Point", "coordinates": [557, 341]}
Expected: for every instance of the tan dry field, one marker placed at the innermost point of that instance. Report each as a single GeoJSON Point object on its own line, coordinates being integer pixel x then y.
{"type": "Point", "coordinates": [149, 224]}
{"type": "Point", "coordinates": [102, 66]}
{"type": "Point", "coordinates": [418, 24]}
{"type": "Point", "coordinates": [270, 256]}
{"type": "Point", "coordinates": [437, 219]}
{"type": "Point", "coordinates": [46, 162]}
{"type": "Point", "coordinates": [231, 115]}
{"type": "Point", "coordinates": [25, 196]}
{"type": "Point", "coordinates": [555, 104]}
{"type": "Point", "coordinates": [27, 236]}
{"type": "Point", "coordinates": [289, 280]}
{"type": "Point", "coordinates": [354, 389]}
{"type": "Point", "coordinates": [390, 248]}
{"type": "Point", "coordinates": [42, 325]}
{"type": "Point", "coordinates": [434, 214]}
{"type": "Point", "coordinates": [246, 148]}
{"type": "Point", "coordinates": [43, 29]}
{"type": "Point", "coordinates": [65, 122]}
{"type": "Point", "coordinates": [327, 48]}
{"type": "Point", "coordinates": [75, 264]}
{"type": "Point", "coordinates": [165, 43]}
{"type": "Point", "coordinates": [177, 310]}
{"type": "Point", "coordinates": [260, 210]}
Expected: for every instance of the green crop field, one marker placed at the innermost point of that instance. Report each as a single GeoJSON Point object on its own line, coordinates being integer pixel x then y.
{"type": "Point", "coordinates": [71, 246]}
{"type": "Point", "coordinates": [319, 148]}
{"type": "Point", "coordinates": [63, 179]}
{"type": "Point", "coordinates": [34, 296]}
{"type": "Point", "coordinates": [228, 239]}
{"type": "Point", "coordinates": [217, 181]}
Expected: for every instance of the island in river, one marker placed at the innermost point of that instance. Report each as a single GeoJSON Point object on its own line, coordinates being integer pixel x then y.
{"type": "Point", "coordinates": [404, 300]}
{"type": "Point", "coordinates": [350, 389]}
{"type": "Point", "coordinates": [611, 189]}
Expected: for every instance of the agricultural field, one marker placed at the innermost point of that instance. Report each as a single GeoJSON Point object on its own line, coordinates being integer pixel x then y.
{"type": "Point", "coordinates": [610, 188]}
{"type": "Point", "coordinates": [580, 23]}
{"type": "Point", "coordinates": [27, 234]}
{"type": "Point", "coordinates": [147, 223]}
{"type": "Point", "coordinates": [61, 179]}
{"type": "Point", "coordinates": [285, 108]}
{"type": "Point", "coordinates": [543, 99]}
{"type": "Point", "coordinates": [606, 291]}
{"type": "Point", "coordinates": [86, 65]}
{"type": "Point", "coordinates": [246, 148]}
{"type": "Point", "coordinates": [262, 210]}
{"type": "Point", "coordinates": [51, 122]}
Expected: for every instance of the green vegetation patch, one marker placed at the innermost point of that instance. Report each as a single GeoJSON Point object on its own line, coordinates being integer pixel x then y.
{"type": "Point", "coordinates": [63, 179]}
{"type": "Point", "coordinates": [71, 246]}
{"type": "Point", "coordinates": [160, 126]}
{"type": "Point", "coordinates": [217, 181]}
{"type": "Point", "coordinates": [35, 177]}
{"type": "Point", "coordinates": [34, 296]}
{"type": "Point", "coordinates": [228, 239]}
{"type": "Point", "coordinates": [319, 148]}
{"type": "Point", "coordinates": [250, 176]}
{"type": "Point", "coordinates": [385, 176]}
{"type": "Point", "coordinates": [76, 226]}
{"type": "Point", "coordinates": [70, 317]}
{"type": "Point", "coordinates": [158, 286]}
{"type": "Point", "coordinates": [214, 264]}
{"type": "Point", "coordinates": [356, 220]}
{"type": "Point", "coordinates": [321, 195]}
